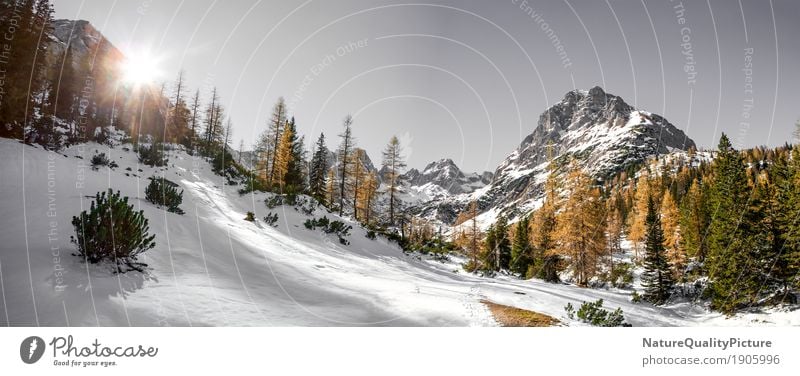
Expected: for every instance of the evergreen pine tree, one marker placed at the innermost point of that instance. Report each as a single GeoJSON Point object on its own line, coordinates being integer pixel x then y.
{"type": "Point", "coordinates": [521, 247]}
{"type": "Point", "coordinates": [497, 247]}
{"type": "Point", "coordinates": [24, 61]}
{"type": "Point", "coordinates": [393, 165]}
{"type": "Point", "coordinates": [731, 240]}
{"type": "Point", "coordinates": [296, 170]}
{"type": "Point", "coordinates": [657, 276]}
{"type": "Point", "coordinates": [318, 170]}
{"type": "Point", "coordinates": [694, 220]}
{"type": "Point", "coordinates": [789, 191]}
{"type": "Point", "coordinates": [344, 156]}
{"type": "Point", "coordinates": [67, 92]}
{"type": "Point", "coordinates": [546, 261]}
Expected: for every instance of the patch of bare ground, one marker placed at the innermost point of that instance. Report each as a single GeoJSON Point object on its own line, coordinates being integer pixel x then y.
{"type": "Point", "coordinates": [511, 316]}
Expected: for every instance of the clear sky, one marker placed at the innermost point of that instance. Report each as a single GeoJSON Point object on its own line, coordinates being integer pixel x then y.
{"type": "Point", "coordinates": [467, 79]}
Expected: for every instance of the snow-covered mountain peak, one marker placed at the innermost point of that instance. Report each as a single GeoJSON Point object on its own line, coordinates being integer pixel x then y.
{"type": "Point", "coordinates": [599, 130]}
{"type": "Point", "coordinates": [445, 175]}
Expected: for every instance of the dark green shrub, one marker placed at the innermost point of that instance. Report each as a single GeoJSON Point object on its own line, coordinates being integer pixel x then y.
{"type": "Point", "coordinates": [371, 235]}
{"type": "Point", "coordinates": [274, 201]}
{"type": "Point", "coordinates": [621, 275]}
{"type": "Point", "coordinates": [163, 192]}
{"type": "Point", "coordinates": [99, 160]}
{"type": "Point", "coordinates": [570, 311]}
{"type": "Point", "coordinates": [593, 313]}
{"type": "Point", "coordinates": [271, 219]}
{"type": "Point", "coordinates": [223, 164]}
{"type": "Point", "coordinates": [285, 199]}
{"type": "Point", "coordinates": [152, 155]}
{"type": "Point", "coordinates": [112, 230]}
{"type": "Point", "coordinates": [250, 217]}
{"type": "Point", "coordinates": [338, 228]}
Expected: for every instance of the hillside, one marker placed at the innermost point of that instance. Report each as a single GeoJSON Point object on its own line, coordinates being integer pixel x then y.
{"type": "Point", "coordinates": [210, 267]}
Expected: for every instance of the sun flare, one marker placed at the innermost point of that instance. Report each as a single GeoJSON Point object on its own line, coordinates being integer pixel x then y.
{"type": "Point", "coordinates": [140, 69]}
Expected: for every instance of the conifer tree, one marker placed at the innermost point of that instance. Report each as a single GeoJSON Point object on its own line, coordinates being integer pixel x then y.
{"type": "Point", "coordinates": [789, 212]}
{"type": "Point", "coordinates": [277, 123]}
{"type": "Point", "coordinates": [297, 170]}
{"type": "Point", "coordinates": [393, 164]}
{"type": "Point", "coordinates": [469, 237]}
{"type": "Point", "coordinates": [67, 92]}
{"type": "Point", "coordinates": [24, 61]}
{"type": "Point", "coordinates": [178, 124]}
{"type": "Point", "coordinates": [657, 276]}
{"type": "Point", "coordinates": [366, 198]}
{"type": "Point", "coordinates": [283, 157]}
{"type": "Point", "coordinates": [694, 220]}
{"type": "Point", "coordinates": [357, 175]}
{"type": "Point", "coordinates": [318, 170]}
{"type": "Point", "coordinates": [213, 120]}
{"type": "Point", "coordinates": [732, 245]}
{"type": "Point", "coordinates": [521, 247]}
{"type": "Point", "coordinates": [636, 228]}
{"type": "Point", "coordinates": [195, 120]}
{"type": "Point", "coordinates": [546, 261]}
{"type": "Point", "coordinates": [581, 226]}
{"type": "Point", "coordinates": [497, 249]}
{"type": "Point", "coordinates": [614, 229]}
{"type": "Point", "coordinates": [344, 155]}
{"type": "Point", "coordinates": [331, 191]}
{"type": "Point", "coordinates": [673, 235]}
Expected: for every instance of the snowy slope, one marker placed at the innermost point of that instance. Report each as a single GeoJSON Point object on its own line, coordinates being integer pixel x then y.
{"type": "Point", "coordinates": [210, 267]}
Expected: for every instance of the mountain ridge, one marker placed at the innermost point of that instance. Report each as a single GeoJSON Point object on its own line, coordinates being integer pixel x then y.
{"type": "Point", "coordinates": [599, 130]}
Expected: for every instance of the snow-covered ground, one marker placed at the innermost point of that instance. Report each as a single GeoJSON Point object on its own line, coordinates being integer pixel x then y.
{"type": "Point", "coordinates": [210, 267]}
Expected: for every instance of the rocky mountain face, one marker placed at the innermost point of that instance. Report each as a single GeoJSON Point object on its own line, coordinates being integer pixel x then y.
{"type": "Point", "coordinates": [99, 65]}
{"type": "Point", "coordinates": [445, 174]}
{"type": "Point", "coordinates": [87, 44]}
{"type": "Point", "coordinates": [366, 162]}
{"type": "Point", "coordinates": [83, 38]}
{"type": "Point", "coordinates": [601, 132]}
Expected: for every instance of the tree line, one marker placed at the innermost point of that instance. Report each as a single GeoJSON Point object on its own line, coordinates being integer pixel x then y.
{"type": "Point", "coordinates": [724, 230]}
{"type": "Point", "coordinates": [339, 179]}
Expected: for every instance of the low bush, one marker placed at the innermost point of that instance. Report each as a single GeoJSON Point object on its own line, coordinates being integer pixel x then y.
{"type": "Point", "coordinates": [271, 219]}
{"type": "Point", "coordinates": [112, 230]}
{"type": "Point", "coordinates": [250, 217]}
{"type": "Point", "coordinates": [593, 313]}
{"type": "Point", "coordinates": [99, 160]}
{"type": "Point", "coordinates": [278, 200]}
{"type": "Point", "coordinates": [621, 275]}
{"type": "Point", "coordinates": [163, 192]}
{"type": "Point", "coordinates": [338, 228]}
{"type": "Point", "coordinates": [152, 155]}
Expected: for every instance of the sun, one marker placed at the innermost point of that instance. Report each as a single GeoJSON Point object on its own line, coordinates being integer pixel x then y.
{"type": "Point", "coordinates": [140, 69]}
